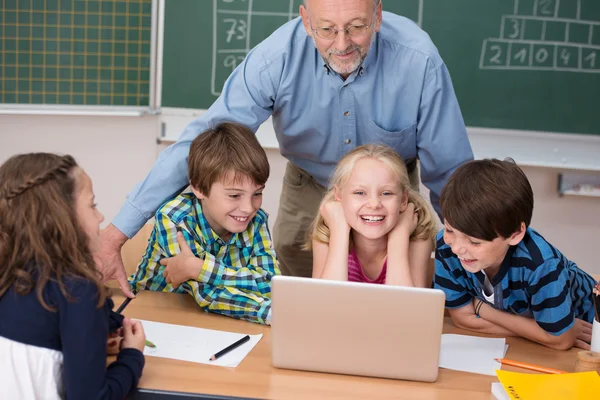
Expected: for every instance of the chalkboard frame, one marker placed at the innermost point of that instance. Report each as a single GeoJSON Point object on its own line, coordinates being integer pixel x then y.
{"type": "Point", "coordinates": [560, 151]}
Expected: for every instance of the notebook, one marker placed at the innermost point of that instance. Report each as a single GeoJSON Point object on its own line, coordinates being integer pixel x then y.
{"type": "Point", "coordinates": [356, 328]}
{"type": "Point", "coordinates": [528, 386]}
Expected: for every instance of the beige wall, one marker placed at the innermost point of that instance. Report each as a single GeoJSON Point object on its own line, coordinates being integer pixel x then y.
{"type": "Point", "coordinates": [117, 152]}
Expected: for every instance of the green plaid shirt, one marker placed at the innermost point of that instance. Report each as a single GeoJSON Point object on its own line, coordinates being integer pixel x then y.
{"type": "Point", "coordinates": [235, 279]}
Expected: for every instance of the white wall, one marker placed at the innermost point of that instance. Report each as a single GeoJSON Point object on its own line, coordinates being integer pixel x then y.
{"type": "Point", "coordinates": [571, 223]}
{"type": "Point", "coordinates": [117, 152]}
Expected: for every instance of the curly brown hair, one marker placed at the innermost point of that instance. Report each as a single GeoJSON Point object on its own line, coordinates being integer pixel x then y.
{"type": "Point", "coordinates": [41, 239]}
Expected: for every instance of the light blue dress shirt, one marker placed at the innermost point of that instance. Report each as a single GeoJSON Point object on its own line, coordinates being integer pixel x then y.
{"type": "Point", "coordinates": [401, 96]}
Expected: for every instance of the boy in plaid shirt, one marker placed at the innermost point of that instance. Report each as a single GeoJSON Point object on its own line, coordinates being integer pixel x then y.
{"type": "Point", "coordinates": [214, 242]}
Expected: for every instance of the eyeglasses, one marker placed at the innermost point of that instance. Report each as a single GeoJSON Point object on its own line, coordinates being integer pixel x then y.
{"type": "Point", "coordinates": [352, 31]}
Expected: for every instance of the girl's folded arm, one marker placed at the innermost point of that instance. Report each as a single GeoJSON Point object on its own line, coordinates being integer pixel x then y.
{"type": "Point", "coordinates": [84, 332]}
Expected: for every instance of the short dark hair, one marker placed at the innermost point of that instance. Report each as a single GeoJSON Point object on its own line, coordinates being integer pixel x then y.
{"type": "Point", "coordinates": [487, 198]}
{"type": "Point", "coordinates": [226, 147]}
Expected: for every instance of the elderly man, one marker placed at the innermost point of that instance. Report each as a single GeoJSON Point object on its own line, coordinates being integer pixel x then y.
{"type": "Point", "coordinates": [342, 75]}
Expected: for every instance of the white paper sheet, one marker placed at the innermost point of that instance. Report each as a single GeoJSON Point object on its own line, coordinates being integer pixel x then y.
{"type": "Point", "coordinates": [499, 392]}
{"type": "Point", "coordinates": [472, 353]}
{"type": "Point", "coordinates": [187, 343]}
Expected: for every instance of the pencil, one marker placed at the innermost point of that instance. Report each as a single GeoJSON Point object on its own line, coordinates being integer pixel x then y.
{"type": "Point", "coordinates": [150, 344]}
{"type": "Point", "coordinates": [597, 301]}
{"type": "Point", "coordinates": [123, 305]}
{"type": "Point", "coordinates": [531, 367]}
{"type": "Point", "coordinates": [230, 347]}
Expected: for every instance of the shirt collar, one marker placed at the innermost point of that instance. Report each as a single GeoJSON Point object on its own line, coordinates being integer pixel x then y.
{"type": "Point", "coordinates": [371, 56]}
{"type": "Point", "coordinates": [480, 277]}
{"type": "Point", "coordinates": [505, 266]}
{"type": "Point", "coordinates": [242, 239]}
{"type": "Point", "coordinates": [204, 231]}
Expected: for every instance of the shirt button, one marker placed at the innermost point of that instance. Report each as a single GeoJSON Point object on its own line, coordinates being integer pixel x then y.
{"type": "Point", "coordinates": [346, 113]}
{"type": "Point", "coordinates": [347, 141]}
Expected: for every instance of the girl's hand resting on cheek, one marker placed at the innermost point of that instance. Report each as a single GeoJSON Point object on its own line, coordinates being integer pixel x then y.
{"type": "Point", "coordinates": [407, 222]}
{"type": "Point", "coordinates": [333, 214]}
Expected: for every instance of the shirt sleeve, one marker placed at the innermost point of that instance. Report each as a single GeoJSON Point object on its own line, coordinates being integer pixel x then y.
{"type": "Point", "coordinates": [550, 291]}
{"type": "Point", "coordinates": [162, 244]}
{"type": "Point", "coordinates": [442, 141]}
{"type": "Point", "coordinates": [247, 98]}
{"type": "Point", "coordinates": [84, 332]}
{"type": "Point", "coordinates": [241, 290]}
{"type": "Point", "coordinates": [457, 294]}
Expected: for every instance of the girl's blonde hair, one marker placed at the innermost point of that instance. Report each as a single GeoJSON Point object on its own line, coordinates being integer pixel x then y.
{"type": "Point", "coordinates": [41, 239]}
{"type": "Point", "coordinates": [426, 225]}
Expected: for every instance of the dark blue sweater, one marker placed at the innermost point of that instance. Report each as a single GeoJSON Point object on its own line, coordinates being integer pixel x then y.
{"type": "Point", "coordinates": [79, 330]}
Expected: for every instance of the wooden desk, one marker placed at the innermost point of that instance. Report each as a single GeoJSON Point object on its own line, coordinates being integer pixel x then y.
{"type": "Point", "coordinates": [256, 378]}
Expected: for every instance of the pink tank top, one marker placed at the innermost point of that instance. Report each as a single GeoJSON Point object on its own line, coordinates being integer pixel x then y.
{"type": "Point", "coordinates": [356, 273]}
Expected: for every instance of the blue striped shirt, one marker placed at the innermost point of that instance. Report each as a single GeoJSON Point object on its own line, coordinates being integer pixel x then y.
{"type": "Point", "coordinates": [235, 279]}
{"type": "Point", "coordinates": [535, 280]}
{"type": "Point", "coordinates": [401, 96]}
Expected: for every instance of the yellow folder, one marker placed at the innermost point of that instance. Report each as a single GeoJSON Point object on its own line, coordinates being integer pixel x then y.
{"type": "Point", "coordinates": [523, 386]}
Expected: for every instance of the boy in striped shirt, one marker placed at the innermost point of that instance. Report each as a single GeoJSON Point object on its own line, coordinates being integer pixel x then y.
{"type": "Point", "coordinates": [214, 242]}
{"type": "Point", "coordinates": [500, 276]}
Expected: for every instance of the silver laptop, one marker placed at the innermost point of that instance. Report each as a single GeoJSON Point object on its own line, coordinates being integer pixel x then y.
{"type": "Point", "coordinates": [356, 328]}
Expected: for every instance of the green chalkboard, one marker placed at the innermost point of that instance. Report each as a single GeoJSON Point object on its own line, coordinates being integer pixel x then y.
{"type": "Point", "coordinates": [75, 52]}
{"type": "Point", "coordinates": [515, 64]}
{"type": "Point", "coordinates": [218, 35]}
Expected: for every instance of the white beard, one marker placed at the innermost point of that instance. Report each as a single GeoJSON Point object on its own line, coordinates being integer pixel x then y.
{"type": "Point", "coordinates": [350, 66]}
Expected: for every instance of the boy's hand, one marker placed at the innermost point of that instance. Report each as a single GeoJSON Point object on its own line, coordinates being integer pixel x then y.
{"type": "Point", "coordinates": [333, 214]}
{"type": "Point", "coordinates": [583, 334]}
{"type": "Point", "coordinates": [182, 267]}
{"type": "Point", "coordinates": [133, 335]}
{"type": "Point", "coordinates": [407, 223]}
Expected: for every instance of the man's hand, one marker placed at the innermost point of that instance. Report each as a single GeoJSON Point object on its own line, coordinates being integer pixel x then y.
{"type": "Point", "coordinates": [108, 259]}
{"type": "Point", "coordinates": [583, 334]}
{"type": "Point", "coordinates": [182, 267]}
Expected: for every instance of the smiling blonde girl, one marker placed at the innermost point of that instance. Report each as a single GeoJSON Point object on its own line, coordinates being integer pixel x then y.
{"type": "Point", "coordinates": [372, 227]}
